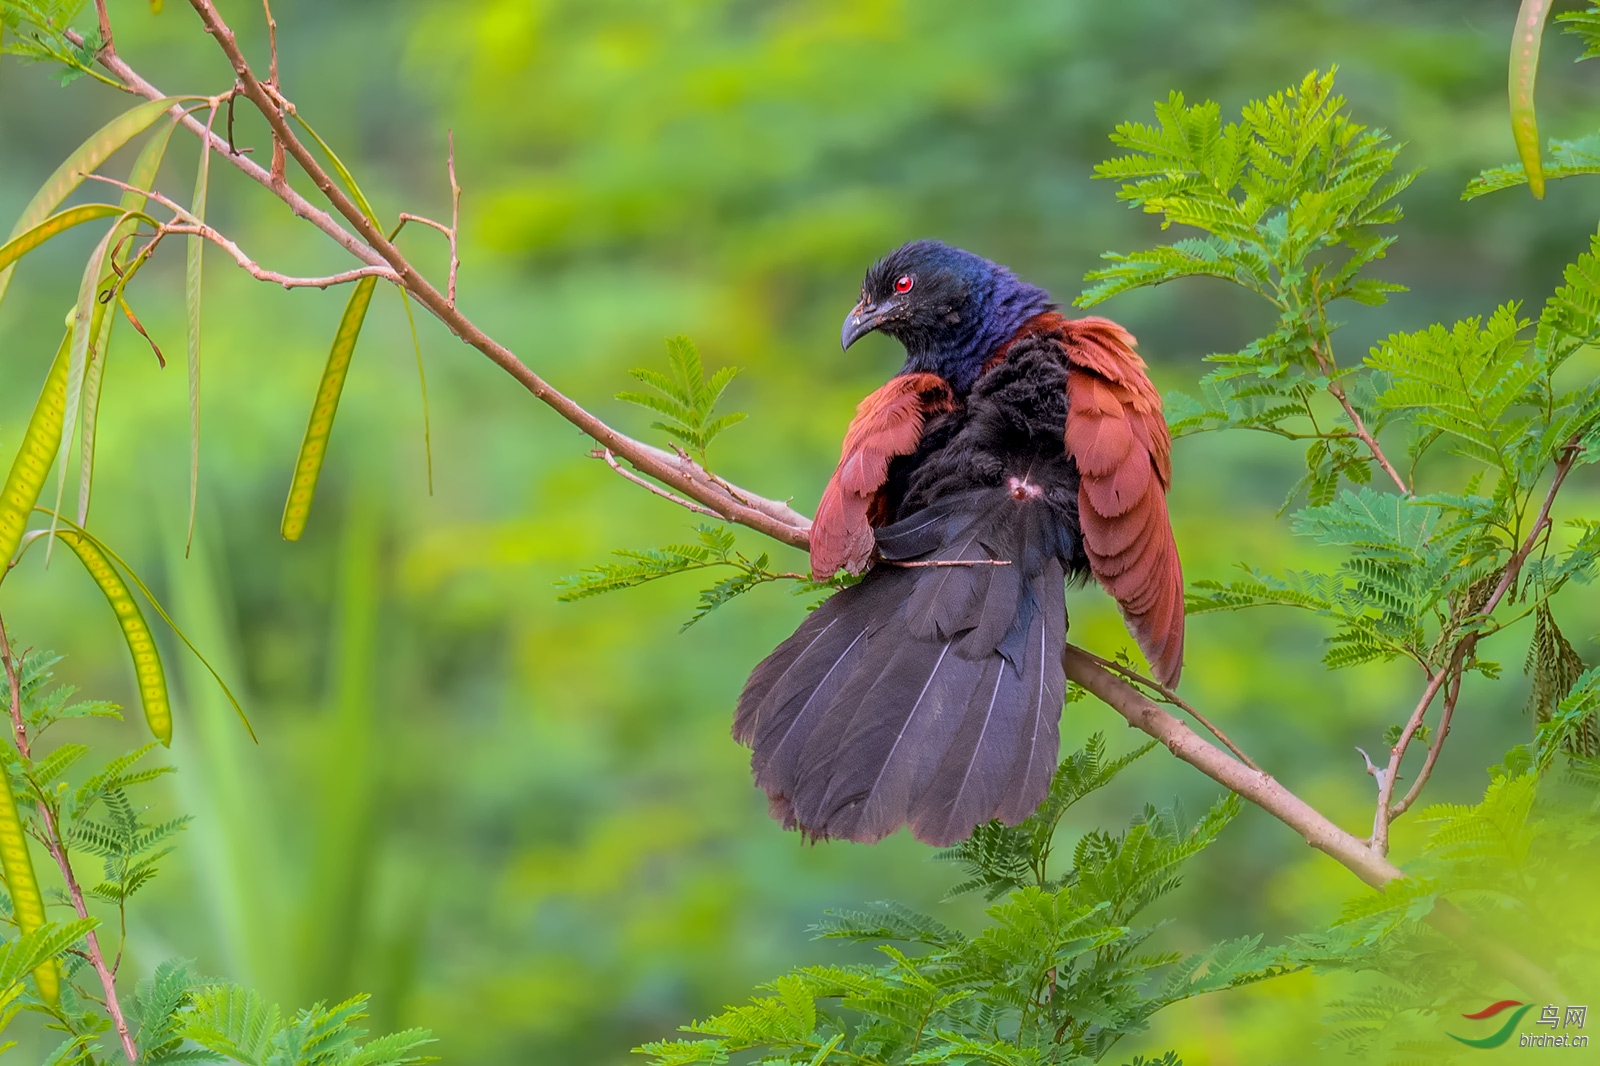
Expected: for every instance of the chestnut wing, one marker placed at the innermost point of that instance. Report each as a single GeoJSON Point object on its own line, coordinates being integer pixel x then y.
{"type": "Point", "coordinates": [1116, 432]}
{"type": "Point", "coordinates": [887, 423]}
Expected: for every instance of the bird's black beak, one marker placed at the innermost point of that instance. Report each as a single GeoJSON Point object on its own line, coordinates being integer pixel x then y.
{"type": "Point", "coordinates": [863, 318]}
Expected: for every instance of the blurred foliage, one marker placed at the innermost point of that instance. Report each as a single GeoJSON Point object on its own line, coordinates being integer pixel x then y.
{"type": "Point", "coordinates": [522, 823]}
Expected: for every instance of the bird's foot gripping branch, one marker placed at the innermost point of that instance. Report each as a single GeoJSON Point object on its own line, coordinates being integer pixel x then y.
{"type": "Point", "coordinates": [1434, 468]}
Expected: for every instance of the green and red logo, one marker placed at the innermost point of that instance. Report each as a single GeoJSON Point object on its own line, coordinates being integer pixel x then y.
{"type": "Point", "coordinates": [1501, 1035]}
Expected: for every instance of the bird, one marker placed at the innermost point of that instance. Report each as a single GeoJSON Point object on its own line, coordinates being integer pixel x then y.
{"type": "Point", "coordinates": [1016, 451]}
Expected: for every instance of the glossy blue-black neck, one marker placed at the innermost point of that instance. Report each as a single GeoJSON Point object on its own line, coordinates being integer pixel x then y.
{"type": "Point", "coordinates": [965, 307]}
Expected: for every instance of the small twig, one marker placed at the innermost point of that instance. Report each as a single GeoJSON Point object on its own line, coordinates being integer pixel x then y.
{"type": "Point", "coordinates": [944, 562]}
{"type": "Point", "coordinates": [1433, 750]}
{"type": "Point", "coordinates": [611, 461]}
{"type": "Point", "coordinates": [58, 852]}
{"type": "Point", "coordinates": [1337, 390]}
{"type": "Point", "coordinates": [1177, 701]}
{"type": "Point", "coordinates": [106, 46]}
{"type": "Point", "coordinates": [455, 221]}
{"type": "Point", "coordinates": [189, 226]}
{"type": "Point", "coordinates": [258, 272]}
{"type": "Point", "coordinates": [15, 683]}
{"type": "Point", "coordinates": [279, 158]}
{"type": "Point", "coordinates": [407, 216]}
{"type": "Point", "coordinates": [1380, 820]}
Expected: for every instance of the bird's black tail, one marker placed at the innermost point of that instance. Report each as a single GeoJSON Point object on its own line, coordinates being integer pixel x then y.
{"type": "Point", "coordinates": [930, 693]}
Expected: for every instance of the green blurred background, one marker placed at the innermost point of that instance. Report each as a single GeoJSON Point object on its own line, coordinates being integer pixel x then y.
{"type": "Point", "coordinates": [523, 823]}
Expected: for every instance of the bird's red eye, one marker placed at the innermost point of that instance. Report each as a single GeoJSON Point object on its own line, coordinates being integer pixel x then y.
{"type": "Point", "coordinates": [904, 283]}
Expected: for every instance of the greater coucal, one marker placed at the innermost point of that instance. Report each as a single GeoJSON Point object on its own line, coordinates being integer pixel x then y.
{"type": "Point", "coordinates": [1017, 449]}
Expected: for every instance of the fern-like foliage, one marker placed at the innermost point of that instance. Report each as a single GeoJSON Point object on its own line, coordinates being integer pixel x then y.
{"type": "Point", "coordinates": [1059, 972]}
{"type": "Point", "coordinates": [1520, 863]}
{"type": "Point", "coordinates": [36, 33]}
{"type": "Point", "coordinates": [715, 549]}
{"type": "Point", "coordinates": [685, 397]}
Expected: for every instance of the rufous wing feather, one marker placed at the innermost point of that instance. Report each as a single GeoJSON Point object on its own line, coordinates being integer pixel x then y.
{"type": "Point", "coordinates": [1117, 435]}
{"type": "Point", "coordinates": [887, 423]}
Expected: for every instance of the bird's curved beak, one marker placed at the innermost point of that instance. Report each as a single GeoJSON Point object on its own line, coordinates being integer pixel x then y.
{"type": "Point", "coordinates": [862, 319]}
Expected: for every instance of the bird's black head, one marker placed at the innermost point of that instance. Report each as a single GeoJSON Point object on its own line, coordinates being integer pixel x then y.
{"type": "Point", "coordinates": [950, 308]}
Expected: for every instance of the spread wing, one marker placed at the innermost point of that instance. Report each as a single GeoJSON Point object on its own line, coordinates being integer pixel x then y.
{"type": "Point", "coordinates": [1119, 438]}
{"type": "Point", "coordinates": [887, 423]}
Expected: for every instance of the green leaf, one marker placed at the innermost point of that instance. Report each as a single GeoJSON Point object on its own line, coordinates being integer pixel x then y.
{"type": "Point", "coordinates": [191, 300]}
{"type": "Point", "coordinates": [85, 159]}
{"type": "Point", "coordinates": [687, 397]}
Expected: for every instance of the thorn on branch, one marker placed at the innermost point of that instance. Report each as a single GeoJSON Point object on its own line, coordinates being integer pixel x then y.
{"type": "Point", "coordinates": [1379, 774]}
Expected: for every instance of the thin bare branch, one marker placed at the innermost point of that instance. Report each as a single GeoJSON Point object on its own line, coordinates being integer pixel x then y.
{"type": "Point", "coordinates": [455, 220]}
{"type": "Point", "coordinates": [407, 216]}
{"type": "Point", "coordinates": [1439, 734]}
{"type": "Point", "coordinates": [1177, 701]}
{"type": "Point", "coordinates": [299, 205]}
{"type": "Point", "coordinates": [912, 564]}
{"type": "Point", "coordinates": [1256, 786]}
{"type": "Point", "coordinates": [260, 273]}
{"type": "Point", "coordinates": [1381, 818]}
{"type": "Point", "coordinates": [278, 157]}
{"type": "Point", "coordinates": [104, 18]}
{"type": "Point", "coordinates": [611, 461]}
{"type": "Point", "coordinates": [1356, 422]}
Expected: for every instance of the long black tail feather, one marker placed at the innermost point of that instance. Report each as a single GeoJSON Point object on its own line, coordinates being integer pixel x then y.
{"type": "Point", "coordinates": [927, 695]}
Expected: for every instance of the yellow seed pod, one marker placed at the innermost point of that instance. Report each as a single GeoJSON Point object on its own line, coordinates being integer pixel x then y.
{"type": "Point", "coordinates": [147, 669]}
{"type": "Point", "coordinates": [37, 454]}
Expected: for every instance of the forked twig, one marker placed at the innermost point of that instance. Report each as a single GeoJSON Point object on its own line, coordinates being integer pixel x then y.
{"type": "Point", "coordinates": [1177, 701]}
{"type": "Point", "coordinates": [611, 461]}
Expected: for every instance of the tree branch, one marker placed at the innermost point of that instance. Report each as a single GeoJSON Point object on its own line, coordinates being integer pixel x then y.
{"type": "Point", "coordinates": [1177, 701]}
{"type": "Point", "coordinates": [648, 486]}
{"type": "Point", "coordinates": [1469, 643]}
{"type": "Point", "coordinates": [1433, 750]}
{"type": "Point", "coordinates": [688, 478]}
{"type": "Point", "coordinates": [1254, 785]}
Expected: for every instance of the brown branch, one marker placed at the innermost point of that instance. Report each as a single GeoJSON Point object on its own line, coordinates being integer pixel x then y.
{"type": "Point", "coordinates": [455, 220]}
{"type": "Point", "coordinates": [1256, 786]}
{"type": "Point", "coordinates": [1440, 733]}
{"type": "Point", "coordinates": [278, 158]}
{"type": "Point", "coordinates": [648, 486]}
{"type": "Point", "coordinates": [407, 216]}
{"type": "Point", "coordinates": [1337, 390]}
{"type": "Point", "coordinates": [104, 19]}
{"type": "Point", "coordinates": [1177, 701]}
{"type": "Point", "coordinates": [1381, 819]}
{"type": "Point", "coordinates": [190, 226]}
{"type": "Point", "coordinates": [299, 205]}
{"type": "Point", "coordinates": [260, 273]}
{"type": "Point", "coordinates": [58, 852]}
